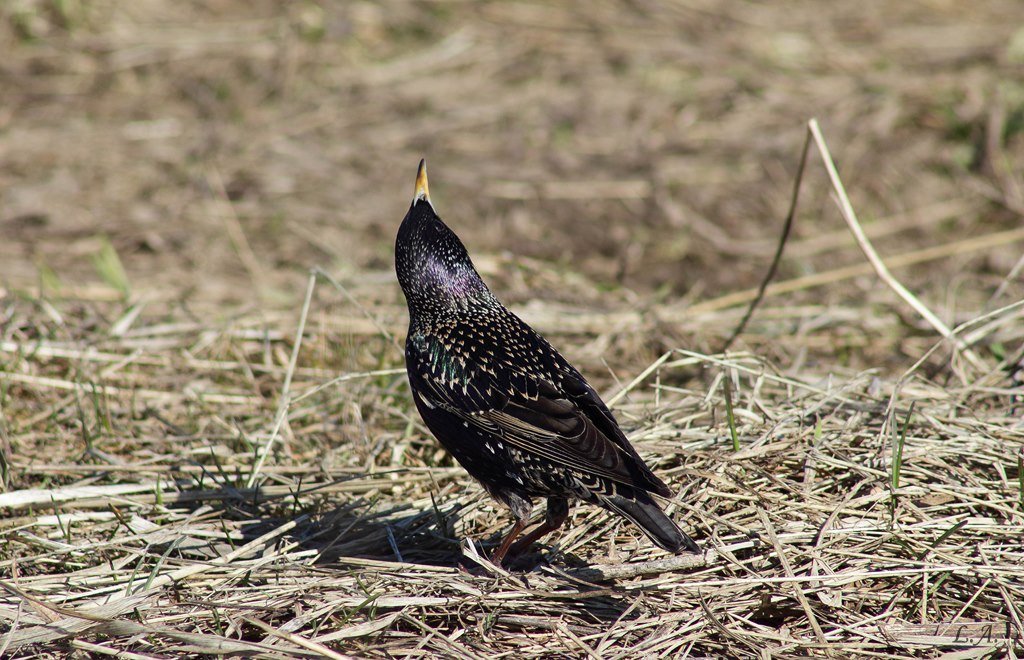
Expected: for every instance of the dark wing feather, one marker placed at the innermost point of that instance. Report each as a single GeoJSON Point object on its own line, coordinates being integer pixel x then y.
{"type": "Point", "coordinates": [574, 429]}
{"type": "Point", "coordinates": [580, 391]}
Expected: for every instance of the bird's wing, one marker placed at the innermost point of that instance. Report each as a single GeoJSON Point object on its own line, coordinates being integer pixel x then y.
{"type": "Point", "coordinates": [590, 403]}
{"type": "Point", "coordinates": [571, 428]}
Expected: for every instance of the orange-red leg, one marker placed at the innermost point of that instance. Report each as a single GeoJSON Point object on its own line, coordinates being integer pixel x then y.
{"type": "Point", "coordinates": [498, 556]}
{"type": "Point", "coordinates": [558, 511]}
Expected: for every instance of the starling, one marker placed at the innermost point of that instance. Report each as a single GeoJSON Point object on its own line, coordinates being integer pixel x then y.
{"type": "Point", "coordinates": [511, 410]}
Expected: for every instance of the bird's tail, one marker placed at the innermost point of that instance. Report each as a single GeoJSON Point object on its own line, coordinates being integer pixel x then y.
{"type": "Point", "coordinates": [649, 517]}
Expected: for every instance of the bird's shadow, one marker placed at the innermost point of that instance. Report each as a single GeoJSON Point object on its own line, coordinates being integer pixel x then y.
{"type": "Point", "coordinates": [403, 535]}
{"type": "Point", "coordinates": [362, 530]}
{"type": "Point", "coordinates": [349, 533]}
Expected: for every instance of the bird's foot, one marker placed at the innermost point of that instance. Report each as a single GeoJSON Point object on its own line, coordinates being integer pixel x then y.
{"type": "Point", "coordinates": [475, 563]}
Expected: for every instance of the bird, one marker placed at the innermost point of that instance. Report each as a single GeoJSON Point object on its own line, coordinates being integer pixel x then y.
{"type": "Point", "coordinates": [505, 404]}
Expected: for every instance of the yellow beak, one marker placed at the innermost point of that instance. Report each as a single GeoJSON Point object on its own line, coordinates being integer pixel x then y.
{"type": "Point", "coordinates": [422, 189]}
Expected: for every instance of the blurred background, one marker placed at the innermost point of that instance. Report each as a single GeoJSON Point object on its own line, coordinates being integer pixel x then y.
{"type": "Point", "coordinates": [200, 157]}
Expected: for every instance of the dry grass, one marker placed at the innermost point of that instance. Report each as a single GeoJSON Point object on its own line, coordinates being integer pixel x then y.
{"type": "Point", "coordinates": [150, 540]}
{"type": "Point", "coordinates": [196, 459]}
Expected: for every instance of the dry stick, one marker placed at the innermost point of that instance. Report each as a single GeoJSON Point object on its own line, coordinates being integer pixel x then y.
{"type": "Point", "coordinates": [880, 268]}
{"type": "Point", "coordinates": [282, 407]}
{"type": "Point", "coordinates": [654, 567]}
{"type": "Point", "coordinates": [786, 228]}
{"type": "Point", "coordinates": [561, 627]}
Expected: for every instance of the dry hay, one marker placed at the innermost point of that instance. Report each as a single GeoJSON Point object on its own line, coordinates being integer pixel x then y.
{"type": "Point", "coordinates": [151, 542]}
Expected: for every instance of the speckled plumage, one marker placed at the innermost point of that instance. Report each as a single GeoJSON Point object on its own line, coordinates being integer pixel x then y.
{"type": "Point", "coordinates": [510, 409]}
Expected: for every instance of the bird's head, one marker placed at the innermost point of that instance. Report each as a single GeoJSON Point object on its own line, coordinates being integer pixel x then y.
{"type": "Point", "coordinates": [433, 267]}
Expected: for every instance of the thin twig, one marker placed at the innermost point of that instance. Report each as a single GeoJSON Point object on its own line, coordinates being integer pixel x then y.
{"type": "Point", "coordinates": [655, 567]}
{"type": "Point", "coordinates": [787, 226]}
